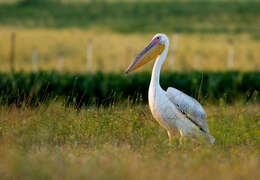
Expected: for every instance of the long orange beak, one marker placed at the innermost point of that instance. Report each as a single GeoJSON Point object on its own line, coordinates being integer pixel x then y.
{"type": "Point", "coordinates": [154, 49]}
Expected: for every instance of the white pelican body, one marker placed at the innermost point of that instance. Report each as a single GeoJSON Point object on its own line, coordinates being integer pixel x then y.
{"type": "Point", "coordinates": [173, 109]}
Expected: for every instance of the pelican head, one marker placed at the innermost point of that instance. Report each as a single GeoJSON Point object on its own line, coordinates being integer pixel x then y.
{"type": "Point", "coordinates": [153, 50]}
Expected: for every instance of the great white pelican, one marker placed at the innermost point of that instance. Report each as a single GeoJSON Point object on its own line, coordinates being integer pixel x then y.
{"type": "Point", "coordinates": [173, 109]}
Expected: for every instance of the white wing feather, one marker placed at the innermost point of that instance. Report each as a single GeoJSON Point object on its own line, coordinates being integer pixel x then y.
{"type": "Point", "coordinates": [189, 106]}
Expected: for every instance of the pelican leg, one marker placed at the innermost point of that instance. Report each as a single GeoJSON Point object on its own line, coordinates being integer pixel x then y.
{"type": "Point", "coordinates": [171, 133]}
{"type": "Point", "coordinates": [170, 137]}
{"type": "Point", "coordinates": [181, 138]}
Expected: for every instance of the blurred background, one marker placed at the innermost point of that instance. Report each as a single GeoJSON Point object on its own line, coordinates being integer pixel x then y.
{"type": "Point", "coordinates": [91, 35]}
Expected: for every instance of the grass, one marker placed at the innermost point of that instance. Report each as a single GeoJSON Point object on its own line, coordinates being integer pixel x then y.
{"type": "Point", "coordinates": [123, 141]}
{"type": "Point", "coordinates": [119, 30]}
{"type": "Point", "coordinates": [115, 51]}
{"type": "Point", "coordinates": [167, 16]}
{"type": "Point", "coordinates": [84, 89]}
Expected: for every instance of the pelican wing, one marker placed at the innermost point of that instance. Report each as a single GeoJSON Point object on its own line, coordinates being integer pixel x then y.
{"type": "Point", "coordinates": [189, 106]}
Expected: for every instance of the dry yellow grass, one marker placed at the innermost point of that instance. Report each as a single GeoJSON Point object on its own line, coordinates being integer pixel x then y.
{"type": "Point", "coordinates": [114, 51]}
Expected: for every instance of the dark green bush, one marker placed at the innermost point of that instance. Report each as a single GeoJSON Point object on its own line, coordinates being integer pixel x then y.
{"type": "Point", "coordinates": [105, 88]}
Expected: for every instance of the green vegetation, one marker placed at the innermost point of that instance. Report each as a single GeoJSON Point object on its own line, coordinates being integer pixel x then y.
{"type": "Point", "coordinates": [123, 141]}
{"type": "Point", "coordinates": [71, 125]}
{"type": "Point", "coordinates": [199, 16]}
{"type": "Point", "coordinates": [106, 88]}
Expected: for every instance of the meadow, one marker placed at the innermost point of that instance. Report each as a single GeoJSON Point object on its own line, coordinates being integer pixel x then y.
{"type": "Point", "coordinates": [118, 30]}
{"type": "Point", "coordinates": [123, 141]}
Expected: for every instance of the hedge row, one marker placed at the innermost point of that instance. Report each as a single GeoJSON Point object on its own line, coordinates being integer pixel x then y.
{"type": "Point", "coordinates": [105, 88]}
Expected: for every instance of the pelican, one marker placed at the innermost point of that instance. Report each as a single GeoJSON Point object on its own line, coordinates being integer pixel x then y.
{"type": "Point", "coordinates": [174, 110]}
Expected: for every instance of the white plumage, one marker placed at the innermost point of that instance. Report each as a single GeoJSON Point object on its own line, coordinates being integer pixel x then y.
{"type": "Point", "coordinates": [173, 109]}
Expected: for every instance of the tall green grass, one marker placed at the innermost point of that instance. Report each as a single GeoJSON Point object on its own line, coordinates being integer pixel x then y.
{"type": "Point", "coordinates": [105, 88]}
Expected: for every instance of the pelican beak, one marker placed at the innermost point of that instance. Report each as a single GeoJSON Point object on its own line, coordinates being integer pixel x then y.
{"type": "Point", "coordinates": [154, 49]}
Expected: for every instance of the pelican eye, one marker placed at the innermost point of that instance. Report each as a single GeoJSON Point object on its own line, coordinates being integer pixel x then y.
{"type": "Point", "coordinates": [158, 38]}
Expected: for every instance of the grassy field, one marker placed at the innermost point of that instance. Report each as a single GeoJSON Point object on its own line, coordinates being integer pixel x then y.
{"type": "Point", "coordinates": [114, 51]}
{"type": "Point", "coordinates": [187, 16]}
{"type": "Point", "coordinates": [118, 30]}
{"type": "Point", "coordinates": [124, 142]}
{"type": "Point", "coordinates": [55, 140]}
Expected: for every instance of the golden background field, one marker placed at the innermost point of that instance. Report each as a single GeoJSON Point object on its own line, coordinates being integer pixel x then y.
{"type": "Point", "coordinates": [114, 51]}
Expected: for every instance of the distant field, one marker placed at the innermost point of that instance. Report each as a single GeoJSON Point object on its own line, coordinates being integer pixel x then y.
{"type": "Point", "coordinates": [127, 16]}
{"type": "Point", "coordinates": [114, 51]}
{"type": "Point", "coordinates": [124, 142]}
{"type": "Point", "coordinates": [118, 31]}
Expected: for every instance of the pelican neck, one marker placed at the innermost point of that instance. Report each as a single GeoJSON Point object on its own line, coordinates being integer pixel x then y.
{"type": "Point", "coordinates": [158, 65]}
